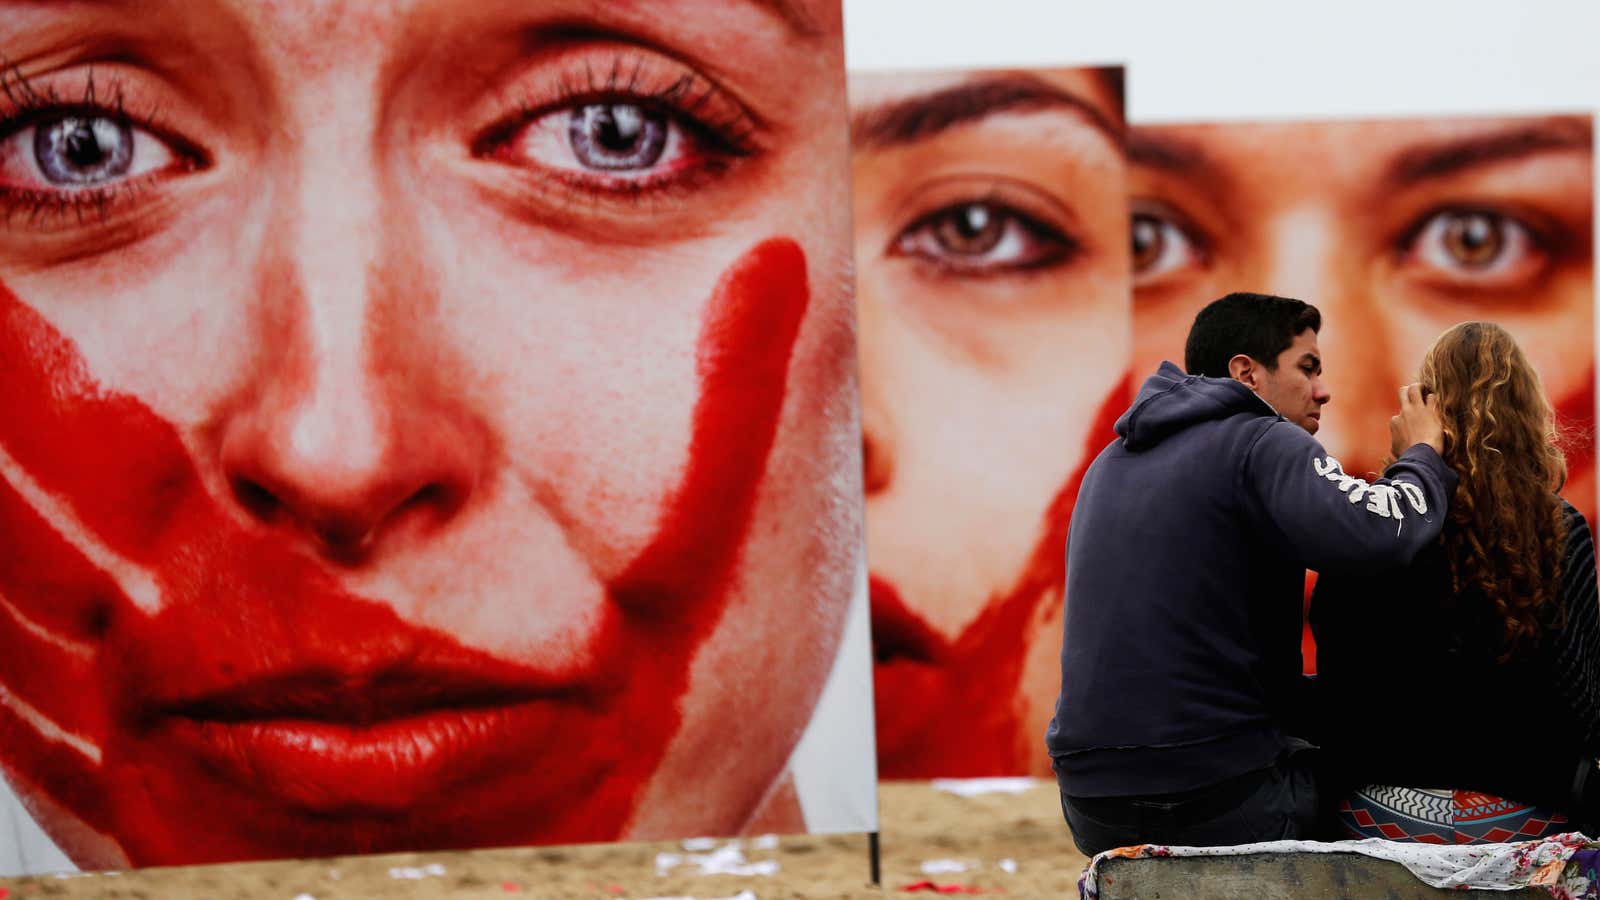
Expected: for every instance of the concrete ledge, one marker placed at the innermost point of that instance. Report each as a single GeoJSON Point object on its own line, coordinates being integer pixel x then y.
{"type": "Point", "coordinates": [1270, 876]}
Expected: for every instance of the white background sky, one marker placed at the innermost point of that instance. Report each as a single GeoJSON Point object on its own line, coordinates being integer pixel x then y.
{"type": "Point", "coordinates": [1222, 59]}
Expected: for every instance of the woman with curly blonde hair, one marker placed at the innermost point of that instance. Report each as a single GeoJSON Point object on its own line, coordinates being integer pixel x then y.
{"type": "Point", "coordinates": [1463, 693]}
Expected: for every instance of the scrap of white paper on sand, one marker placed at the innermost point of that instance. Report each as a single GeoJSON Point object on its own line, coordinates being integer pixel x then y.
{"type": "Point", "coordinates": [944, 866]}
{"type": "Point", "coordinates": [728, 859]}
{"type": "Point", "coordinates": [972, 787]}
{"type": "Point", "coordinates": [433, 870]}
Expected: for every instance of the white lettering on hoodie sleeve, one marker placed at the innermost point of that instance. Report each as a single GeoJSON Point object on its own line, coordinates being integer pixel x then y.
{"type": "Point", "coordinates": [1382, 499]}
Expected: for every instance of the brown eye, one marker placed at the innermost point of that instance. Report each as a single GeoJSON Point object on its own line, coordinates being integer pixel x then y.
{"type": "Point", "coordinates": [1477, 247]}
{"type": "Point", "coordinates": [1159, 246]}
{"type": "Point", "coordinates": [1149, 241]}
{"type": "Point", "coordinates": [969, 230]}
{"type": "Point", "coordinates": [981, 237]}
{"type": "Point", "coordinates": [1474, 239]}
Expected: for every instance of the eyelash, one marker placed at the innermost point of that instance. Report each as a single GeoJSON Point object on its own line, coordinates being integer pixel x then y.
{"type": "Point", "coordinates": [721, 129]}
{"type": "Point", "coordinates": [30, 105]}
{"type": "Point", "coordinates": [1413, 234]}
{"type": "Point", "coordinates": [715, 132]}
{"type": "Point", "coordinates": [1168, 221]}
{"type": "Point", "coordinates": [1407, 244]}
{"type": "Point", "coordinates": [1063, 250]}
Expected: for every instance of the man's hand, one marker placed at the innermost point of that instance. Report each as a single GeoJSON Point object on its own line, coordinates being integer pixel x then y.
{"type": "Point", "coordinates": [1418, 421]}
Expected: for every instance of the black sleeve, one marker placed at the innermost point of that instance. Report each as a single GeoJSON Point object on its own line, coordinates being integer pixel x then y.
{"type": "Point", "coordinates": [1575, 645]}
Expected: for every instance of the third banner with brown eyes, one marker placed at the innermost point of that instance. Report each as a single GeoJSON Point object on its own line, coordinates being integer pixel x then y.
{"type": "Point", "coordinates": [1396, 230]}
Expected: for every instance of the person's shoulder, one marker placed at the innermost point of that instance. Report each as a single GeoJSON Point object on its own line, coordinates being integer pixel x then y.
{"type": "Point", "coordinates": [1276, 435]}
{"type": "Point", "coordinates": [1574, 517]}
{"type": "Point", "coordinates": [1579, 539]}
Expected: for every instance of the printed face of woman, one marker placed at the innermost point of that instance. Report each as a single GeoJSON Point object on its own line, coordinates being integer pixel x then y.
{"type": "Point", "coordinates": [992, 285]}
{"type": "Point", "coordinates": [428, 424]}
{"type": "Point", "coordinates": [1395, 231]}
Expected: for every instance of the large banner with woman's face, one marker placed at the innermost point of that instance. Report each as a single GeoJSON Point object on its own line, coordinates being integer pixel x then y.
{"type": "Point", "coordinates": [426, 424]}
{"type": "Point", "coordinates": [1396, 230]}
{"type": "Point", "coordinates": [992, 278]}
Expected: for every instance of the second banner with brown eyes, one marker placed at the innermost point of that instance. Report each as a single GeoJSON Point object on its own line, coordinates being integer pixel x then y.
{"type": "Point", "coordinates": [992, 264]}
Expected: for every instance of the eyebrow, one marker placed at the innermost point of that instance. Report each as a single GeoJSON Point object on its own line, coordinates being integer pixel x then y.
{"type": "Point", "coordinates": [918, 118]}
{"type": "Point", "coordinates": [1174, 154]}
{"type": "Point", "coordinates": [1449, 157]}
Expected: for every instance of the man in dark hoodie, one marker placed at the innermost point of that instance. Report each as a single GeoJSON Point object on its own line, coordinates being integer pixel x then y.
{"type": "Point", "coordinates": [1182, 704]}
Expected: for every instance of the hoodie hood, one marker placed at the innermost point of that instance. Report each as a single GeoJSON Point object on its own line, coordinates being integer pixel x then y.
{"type": "Point", "coordinates": [1172, 400]}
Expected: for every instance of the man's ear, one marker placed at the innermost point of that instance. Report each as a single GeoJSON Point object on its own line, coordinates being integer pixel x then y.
{"type": "Point", "coordinates": [1244, 369]}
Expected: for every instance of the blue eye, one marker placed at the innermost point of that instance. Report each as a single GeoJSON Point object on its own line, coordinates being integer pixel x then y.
{"type": "Point", "coordinates": [79, 150]}
{"type": "Point", "coordinates": [622, 127]}
{"type": "Point", "coordinates": [617, 136]}
{"type": "Point", "coordinates": [76, 152]}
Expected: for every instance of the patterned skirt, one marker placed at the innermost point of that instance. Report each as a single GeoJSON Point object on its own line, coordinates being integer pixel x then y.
{"type": "Point", "coordinates": [1424, 816]}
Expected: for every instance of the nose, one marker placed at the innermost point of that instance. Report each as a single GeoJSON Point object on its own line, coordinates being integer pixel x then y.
{"type": "Point", "coordinates": [877, 453]}
{"type": "Point", "coordinates": [1311, 259]}
{"type": "Point", "coordinates": [346, 435]}
{"type": "Point", "coordinates": [1320, 392]}
{"type": "Point", "coordinates": [877, 422]}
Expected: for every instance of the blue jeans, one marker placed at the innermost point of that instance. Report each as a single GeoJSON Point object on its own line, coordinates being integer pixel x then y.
{"type": "Point", "coordinates": [1279, 802]}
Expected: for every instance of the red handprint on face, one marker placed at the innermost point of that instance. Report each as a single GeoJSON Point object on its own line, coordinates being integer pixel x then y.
{"type": "Point", "coordinates": [185, 684]}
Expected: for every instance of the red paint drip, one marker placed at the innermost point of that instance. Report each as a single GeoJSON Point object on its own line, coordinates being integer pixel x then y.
{"type": "Point", "coordinates": [242, 605]}
{"type": "Point", "coordinates": [674, 593]}
{"type": "Point", "coordinates": [938, 888]}
{"type": "Point", "coordinates": [955, 715]}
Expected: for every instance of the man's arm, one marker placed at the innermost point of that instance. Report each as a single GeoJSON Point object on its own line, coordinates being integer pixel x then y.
{"type": "Point", "coordinates": [1333, 521]}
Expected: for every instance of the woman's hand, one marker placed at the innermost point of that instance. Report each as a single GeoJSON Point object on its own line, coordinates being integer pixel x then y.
{"type": "Point", "coordinates": [1418, 421]}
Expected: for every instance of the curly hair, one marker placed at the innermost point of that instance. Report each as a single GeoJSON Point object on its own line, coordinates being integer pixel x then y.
{"type": "Point", "coordinates": [1506, 527]}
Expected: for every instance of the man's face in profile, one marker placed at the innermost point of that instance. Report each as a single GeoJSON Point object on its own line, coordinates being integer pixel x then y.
{"type": "Point", "coordinates": [1294, 387]}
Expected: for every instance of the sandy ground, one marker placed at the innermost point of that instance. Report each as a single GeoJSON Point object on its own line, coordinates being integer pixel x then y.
{"type": "Point", "coordinates": [1012, 843]}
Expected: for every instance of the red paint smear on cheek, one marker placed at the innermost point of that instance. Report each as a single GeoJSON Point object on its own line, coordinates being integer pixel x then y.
{"type": "Point", "coordinates": [958, 716]}
{"type": "Point", "coordinates": [675, 592]}
{"type": "Point", "coordinates": [242, 603]}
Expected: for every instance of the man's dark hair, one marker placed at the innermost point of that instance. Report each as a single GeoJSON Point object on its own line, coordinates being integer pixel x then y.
{"type": "Point", "coordinates": [1260, 326]}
